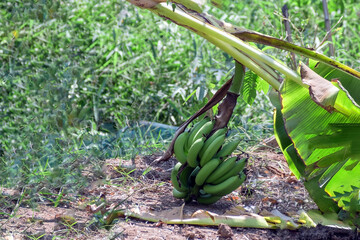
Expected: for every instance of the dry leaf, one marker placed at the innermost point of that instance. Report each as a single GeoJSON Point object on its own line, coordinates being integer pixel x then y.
{"type": "Point", "coordinates": [320, 89]}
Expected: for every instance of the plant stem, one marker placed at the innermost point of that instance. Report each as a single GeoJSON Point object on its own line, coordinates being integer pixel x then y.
{"type": "Point", "coordinates": [250, 36]}
{"type": "Point", "coordinates": [245, 60]}
{"type": "Point", "coordinates": [327, 27]}
{"type": "Point", "coordinates": [238, 78]}
{"type": "Point", "coordinates": [285, 12]}
{"type": "Point", "coordinates": [202, 28]}
{"type": "Point", "coordinates": [266, 68]}
{"type": "Point", "coordinates": [227, 106]}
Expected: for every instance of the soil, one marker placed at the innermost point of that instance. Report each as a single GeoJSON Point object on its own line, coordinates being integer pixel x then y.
{"type": "Point", "coordinates": [141, 184]}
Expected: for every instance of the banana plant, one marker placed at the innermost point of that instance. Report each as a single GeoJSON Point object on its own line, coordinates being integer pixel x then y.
{"type": "Point", "coordinates": [317, 113]}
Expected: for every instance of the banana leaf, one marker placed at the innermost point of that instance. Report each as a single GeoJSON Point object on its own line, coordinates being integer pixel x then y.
{"type": "Point", "coordinates": [296, 163]}
{"type": "Point", "coordinates": [324, 129]}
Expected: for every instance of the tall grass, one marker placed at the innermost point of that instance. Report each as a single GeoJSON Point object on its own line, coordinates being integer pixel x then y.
{"type": "Point", "coordinates": [74, 73]}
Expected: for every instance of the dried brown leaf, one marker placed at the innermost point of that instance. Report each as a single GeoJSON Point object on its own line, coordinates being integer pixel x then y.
{"type": "Point", "coordinates": [320, 89]}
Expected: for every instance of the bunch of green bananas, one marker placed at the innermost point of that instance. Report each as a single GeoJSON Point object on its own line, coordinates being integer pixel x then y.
{"type": "Point", "coordinates": [204, 173]}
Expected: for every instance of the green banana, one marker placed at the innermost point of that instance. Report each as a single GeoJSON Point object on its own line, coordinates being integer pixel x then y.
{"type": "Point", "coordinates": [211, 150]}
{"type": "Point", "coordinates": [228, 148]}
{"type": "Point", "coordinates": [204, 130]}
{"type": "Point", "coordinates": [191, 179]}
{"type": "Point", "coordinates": [174, 180]}
{"type": "Point", "coordinates": [208, 141]}
{"type": "Point", "coordinates": [206, 171]}
{"type": "Point", "coordinates": [194, 193]}
{"type": "Point", "coordinates": [184, 177]}
{"type": "Point", "coordinates": [222, 169]}
{"type": "Point", "coordinates": [207, 200]}
{"type": "Point", "coordinates": [194, 152]}
{"type": "Point", "coordinates": [226, 186]}
{"type": "Point", "coordinates": [179, 147]}
{"type": "Point", "coordinates": [239, 166]}
{"type": "Point", "coordinates": [193, 131]}
{"type": "Point", "coordinates": [181, 182]}
{"type": "Point", "coordinates": [178, 194]}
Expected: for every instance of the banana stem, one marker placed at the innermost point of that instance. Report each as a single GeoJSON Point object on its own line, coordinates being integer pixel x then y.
{"type": "Point", "coordinates": [238, 78]}
{"type": "Point", "coordinates": [202, 28]}
{"type": "Point", "coordinates": [226, 108]}
{"type": "Point", "coordinates": [266, 68]}
{"type": "Point", "coordinates": [245, 60]}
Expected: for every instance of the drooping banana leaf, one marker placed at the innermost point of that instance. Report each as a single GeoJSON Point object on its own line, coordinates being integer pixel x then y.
{"type": "Point", "coordinates": [344, 181]}
{"type": "Point", "coordinates": [286, 145]}
{"type": "Point", "coordinates": [306, 119]}
{"type": "Point", "coordinates": [324, 128]}
{"type": "Point", "coordinates": [295, 162]}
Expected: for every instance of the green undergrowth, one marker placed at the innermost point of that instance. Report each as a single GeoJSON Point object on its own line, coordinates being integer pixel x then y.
{"type": "Point", "coordinates": [77, 77]}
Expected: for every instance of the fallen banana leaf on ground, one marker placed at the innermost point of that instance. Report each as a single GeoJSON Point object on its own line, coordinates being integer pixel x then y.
{"type": "Point", "coordinates": [247, 220]}
{"type": "Point", "coordinates": [327, 219]}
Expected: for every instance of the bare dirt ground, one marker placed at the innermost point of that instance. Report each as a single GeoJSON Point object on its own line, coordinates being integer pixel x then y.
{"type": "Point", "coordinates": [145, 186]}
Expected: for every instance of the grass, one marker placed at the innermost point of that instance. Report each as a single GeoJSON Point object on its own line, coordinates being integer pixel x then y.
{"type": "Point", "coordinates": [76, 77]}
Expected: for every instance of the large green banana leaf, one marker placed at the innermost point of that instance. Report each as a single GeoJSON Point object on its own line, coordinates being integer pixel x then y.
{"type": "Point", "coordinates": [321, 139]}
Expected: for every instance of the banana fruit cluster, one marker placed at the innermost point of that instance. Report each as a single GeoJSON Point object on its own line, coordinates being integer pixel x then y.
{"type": "Point", "coordinates": [204, 171]}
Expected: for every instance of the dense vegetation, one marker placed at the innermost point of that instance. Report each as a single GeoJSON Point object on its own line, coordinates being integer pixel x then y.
{"type": "Point", "coordinates": [75, 74]}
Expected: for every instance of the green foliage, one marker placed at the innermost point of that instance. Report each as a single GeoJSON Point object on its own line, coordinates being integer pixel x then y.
{"type": "Point", "coordinates": [351, 205]}
{"type": "Point", "coordinates": [73, 74]}
{"type": "Point", "coordinates": [266, 17]}
{"type": "Point", "coordinates": [248, 91]}
{"type": "Point", "coordinates": [252, 84]}
{"type": "Point", "coordinates": [326, 142]}
{"type": "Point", "coordinates": [67, 77]}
